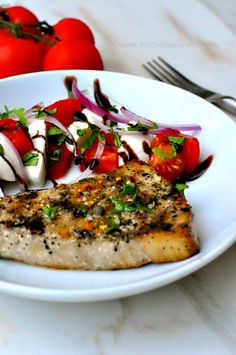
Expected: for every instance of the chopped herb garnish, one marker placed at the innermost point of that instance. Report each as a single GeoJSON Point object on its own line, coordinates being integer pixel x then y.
{"type": "Point", "coordinates": [61, 138]}
{"type": "Point", "coordinates": [89, 141]}
{"type": "Point", "coordinates": [142, 127]}
{"type": "Point", "coordinates": [50, 212]}
{"type": "Point", "coordinates": [19, 112]}
{"type": "Point", "coordinates": [1, 150]}
{"type": "Point", "coordinates": [117, 140]}
{"type": "Point", "coordinates": [80, 132]}
{"type": "Point", "coordinates": [55, 155]}
{"type": "Point", "coordinates": [113, 224]}
{"type": "Point", "coordinates": [181, 187]}
{"type": "Point", "coordinates": [30, 159]}
{"type": "Point", "coordinates": [163, 154]}
{"type": "Point", "coordinates": [54, 131]}
{"type": "Point", "coordinates": [129, 189]}
{"type": "Point", "coordinates": [42, 112]}
{"type": "Point", "coordinates": [101, 136]}
{"type": "Point", "coordinates": [121, 206]}
{"type": "Point", "coordinates": [176, 143]}
{"type": "Point", "coordinates": [80, 211]}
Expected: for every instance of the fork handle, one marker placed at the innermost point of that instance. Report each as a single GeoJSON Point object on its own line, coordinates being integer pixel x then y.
{"type": "Point", "coordinates": [227, 103]}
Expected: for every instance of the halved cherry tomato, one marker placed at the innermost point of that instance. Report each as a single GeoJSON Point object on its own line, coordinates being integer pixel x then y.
{"type": "Point", "coordinates": [174, 155]}
{"type": "Point", "coordinates": [69, 54]}
{"type": "Point", "coordinates": [65, 110]}
{"type": "Point", "coordinates": [68, 28]}
{"type": "Point", "coordinates": [17, 135]}
{"type": "Point", "coordinates": [59, 160]}
{"type": "Point", "coordinates": [109, 159]}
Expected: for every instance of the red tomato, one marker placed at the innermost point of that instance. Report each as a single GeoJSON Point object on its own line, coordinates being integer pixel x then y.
{"type": "Point", "coordinates": [66, 110]}
{"type": "Point", "coordinates": [68, 28]}
{"type": "Point", "coordinates": [109, 159]}
{"type": "Point", "coordinates": [174, 160]}
{"type": "Point", "coordinates": [21, 15]}
{"type": "Point", "coordinates": [69, 54]}
{"type": "Point", "coordinates": [59, 160]}
{"type": "Point", "coordinates": [15, 132]}
{"type": "Point", "coordinates": [19, 56]}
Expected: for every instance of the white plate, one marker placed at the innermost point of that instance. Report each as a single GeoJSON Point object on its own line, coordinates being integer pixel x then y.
{"type": "Point", "coordinates": [212, 196]}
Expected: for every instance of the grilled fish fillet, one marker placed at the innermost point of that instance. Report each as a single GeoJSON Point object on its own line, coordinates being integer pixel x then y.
{"type": "Point", "coordinates": [124, 219]}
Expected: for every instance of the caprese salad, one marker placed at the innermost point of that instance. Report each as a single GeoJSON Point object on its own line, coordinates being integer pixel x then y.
{"type": "Point", "coordinates": [94, 136]}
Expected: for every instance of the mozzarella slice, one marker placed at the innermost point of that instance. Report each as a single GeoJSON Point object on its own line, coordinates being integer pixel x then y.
{"type": "Point", "coordinates": [134, 143]}
{"type": "Point", "coordinates": [36, 175]}
{"type": "Point", "coordinates": [6, 172]}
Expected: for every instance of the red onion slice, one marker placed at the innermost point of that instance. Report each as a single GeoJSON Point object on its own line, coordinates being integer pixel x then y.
{"type": "Point", "coordinates": [134, 117]}
{"type": "Point", "coordinates": [55, 122]}
{"type": "Point", "coordinates": [90, 105]}
{"type": "Point", "coordinates": [179, 127]}
{"type": "Point", "coordinates": [15, 160]}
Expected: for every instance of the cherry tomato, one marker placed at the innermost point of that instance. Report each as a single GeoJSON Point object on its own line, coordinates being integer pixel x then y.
{"type": "Point", "coordinates": [174, 155]}
{"type": "Point", "coordinates": [19, 56]}
{"type": "Point", "coordinates": [109, 159]}
{"type": "Point", "coordinates": [17, 135]}
{"type": "Point", "coordinates": [65, 110]}
{"type": "Point", "coordinates": [68, 28]}
{"type": "Point", "coordinates": [69, 54]}
{"type": "Point", "coordinates": [59, 160]}
{"type": "Point", "coordinates": [21, 15]}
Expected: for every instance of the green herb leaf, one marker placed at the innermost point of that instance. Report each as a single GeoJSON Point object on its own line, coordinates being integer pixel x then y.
{"type": "Point", "coordinates": [19, 112]}
{"type": "Point", "coordinates": [1, 150]}
{"type": "Point", "coordinates": [113, 224]}
{"type": "Point", "coordinates": [176, 143]}
{"type": "Point", "coordinates": [117, 140]}
{"type": "Point", "coordinates": [50, 212]}
{"type": "Point", "coordinates": [142, 127]}
{"type": "Point", "coordinates": [163, 154]}
{"type": "Point", "coordinates": [89, 141]}
{"type": "Point", "coordinates": [54, 131]}
{"type": "Point", "coordinates": [42, 112]}
{"type": "Point", "coordinates": [80, 132]}
{"type": "Point", "coordinates": [181, 187]}
{"type": "Point", "coordinates": [129, 189]}
{"type": "Point", "coordinates": [55, 155]}
{"type": "Point", "coordinates": [30, 159]}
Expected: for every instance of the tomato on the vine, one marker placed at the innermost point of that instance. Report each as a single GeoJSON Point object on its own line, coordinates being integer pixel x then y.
{"type": "Point", "coordinates": [70, 55]}
{"type": "Point", "coordinates": [19, 56]}
{"type": "Point", "coordinates": [17, 135]}
{"type": "Point", "coordinates": [21, 15]}
{"type": "Point", "coordinates": [65, 110]}
{"type": "Point", "coordinates": [68, 28]}
{"type": "Point", "coordinates": [174, 155]}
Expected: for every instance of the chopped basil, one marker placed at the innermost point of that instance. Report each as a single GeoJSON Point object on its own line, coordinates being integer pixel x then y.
{"type": "Point", "coordinates": [101, 136]}
{"type": "Point", "coordinates": [117, 140]}
{"type": "Point", "coordinates": [54, 131]}
{"type": "Point", "coordinates": [42, 112]}
{"type": "Point", "coordinates": [163, 154]}
{"type": "Point", "coordinates": [19, 112]}
{"type": "Point", "coordinates": [1, 150]}
{"type": "Point", "coordinates": [30, 159]}
{"type": "Point", "coordinates": [80, 132]}
{"type": "Point", "coordinates": [61, 138]}
{"type": "Point", "coordinates": [129, 189]}
{"type": "Point", "coordinates": [55, 155]}
{"type": "Point", "coordinates": [50, 212]}
{"type": "Point", "coordinates": [142, 127]}
{"type": "Point", "coordinates": [181, 187]}
{"type": "Point", "coordinates": [176, 143]}
{"type": "Point", "coordinates": [121, 206]}
{"type": "Point", "coordinates": [89, 141]}
{"type": "Point", "coordinates": [114, 224]}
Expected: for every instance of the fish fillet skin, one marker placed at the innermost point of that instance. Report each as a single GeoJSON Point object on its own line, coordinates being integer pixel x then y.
{"type": "Point", "coordinates": [127, 218]}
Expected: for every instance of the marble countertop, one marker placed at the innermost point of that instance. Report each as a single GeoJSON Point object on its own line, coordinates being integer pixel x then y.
{"type": "Point", "coordinates": [196, 315]}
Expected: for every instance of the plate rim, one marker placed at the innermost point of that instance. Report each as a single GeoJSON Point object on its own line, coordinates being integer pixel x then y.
{"type": "Point", "coordinates": [133, 288]}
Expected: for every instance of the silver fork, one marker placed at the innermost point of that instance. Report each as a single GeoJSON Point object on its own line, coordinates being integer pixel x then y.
{"type": "Point", "coordinates": [165, 72]}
